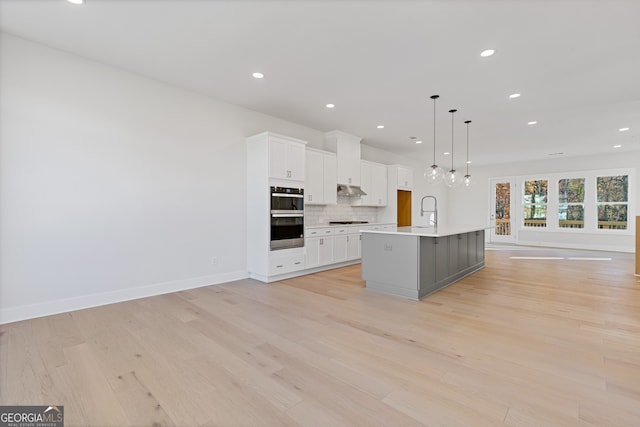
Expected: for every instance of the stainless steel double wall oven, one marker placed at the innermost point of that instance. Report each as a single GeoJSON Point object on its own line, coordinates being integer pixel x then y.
{"type": "Point", "coordinates": [287, 217]}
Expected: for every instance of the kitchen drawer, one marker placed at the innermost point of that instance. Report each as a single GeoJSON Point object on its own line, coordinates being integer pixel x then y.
{"type": "Point", "coordinates": [318, 232]}
{"type": "Point", "coordinates": [285, 264]}
{"type": "Point", "coordinates": [341, 230]}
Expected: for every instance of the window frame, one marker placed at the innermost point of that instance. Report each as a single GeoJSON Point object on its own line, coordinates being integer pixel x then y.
{"type": "Point", "coordinates": [590, 201]}
{"type": "Point", "coordinates": [524, 206]}
{"type": "Point", "coordinates": [626, 203]}
{"type": "Point", "coordinates": [568, 204]}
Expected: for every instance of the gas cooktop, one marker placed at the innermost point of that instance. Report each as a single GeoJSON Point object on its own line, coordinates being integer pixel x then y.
{"type": "Point", "coordinates": [348, 222]}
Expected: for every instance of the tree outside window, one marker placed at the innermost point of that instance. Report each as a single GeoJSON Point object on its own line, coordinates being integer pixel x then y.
{"type": "Point", "coordinates": [612, 202]}
{"type": "Point", "coordinates": [535, 203]}
{"type": "Point", "coordinates": [571, 203]}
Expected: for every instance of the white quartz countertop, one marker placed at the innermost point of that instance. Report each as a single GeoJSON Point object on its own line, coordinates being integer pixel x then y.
{"type": "Point", "coordinates": [430, 231]}
{"type": "Point", "coordinates": [347, 225]}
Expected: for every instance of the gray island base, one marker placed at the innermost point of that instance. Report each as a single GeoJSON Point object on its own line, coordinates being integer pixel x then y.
{"type": "Point", "coordinates": [414, 262]}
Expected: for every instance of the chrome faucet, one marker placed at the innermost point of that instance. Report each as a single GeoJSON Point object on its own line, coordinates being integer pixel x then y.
{"type": "Point", "coordinates": [433, 221]}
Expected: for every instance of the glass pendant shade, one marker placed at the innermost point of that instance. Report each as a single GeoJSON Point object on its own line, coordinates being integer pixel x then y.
{"type": "Point", "coordinates": [453, 178]}
{"type": "Point", "coordinates": [467, 180]}
{"type": "Point", "coordinates": [434, 174]}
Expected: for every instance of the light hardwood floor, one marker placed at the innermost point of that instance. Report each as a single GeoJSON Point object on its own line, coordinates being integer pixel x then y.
{"type": "Point", "coordinates": [531, 343]}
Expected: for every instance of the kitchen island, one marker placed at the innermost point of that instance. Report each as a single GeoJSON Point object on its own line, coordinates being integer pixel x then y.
{"type": "Point", "coordinates": [414, 262]}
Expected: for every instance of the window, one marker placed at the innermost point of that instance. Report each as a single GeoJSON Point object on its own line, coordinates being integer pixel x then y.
{"type": "Point", "coordinates": [571, 203]}
{"type": "Point", "coordinates": [535, 203]}
{"type": "Point", "coordinates": [503, 209]}
{"type": "Point", "coordinates": [599, 202]}
{"type": "Point", "coordinates": [612, 202]}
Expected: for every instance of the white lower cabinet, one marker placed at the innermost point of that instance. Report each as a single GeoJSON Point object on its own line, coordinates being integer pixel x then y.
{"type": "Point", "coordinates": [340, 244]}
{"type": "Point", "coordinates": [334, 245]}
{"type": "Point", "coordinates": [318, 247]}
{"type": "Point", "coordinates": [340, 248]}
{"type": "Point", "coordinates": [354, 246]}
{"type": "Point", "coordinates": [281, 264]}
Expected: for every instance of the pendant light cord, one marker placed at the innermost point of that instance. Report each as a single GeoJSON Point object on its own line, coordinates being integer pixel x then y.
{"type": "Point", "coordinates": [467, 123]}
{"type": "Point", "coordinates": [467, 148]}
{"type": "Point", "coordinates": [434, 97]}
{"type": "Point", "coordinates": [452, 113]}
{"type": "Point", "coordinates": [434, 131]}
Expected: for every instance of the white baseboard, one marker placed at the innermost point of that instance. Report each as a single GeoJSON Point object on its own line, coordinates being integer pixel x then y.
{"type": "Point", "coordinates": [599, 248]}
{"type": "Point", "coordinates": [270, 279]}
{"type": "Point", "coordinates": [31, 311]}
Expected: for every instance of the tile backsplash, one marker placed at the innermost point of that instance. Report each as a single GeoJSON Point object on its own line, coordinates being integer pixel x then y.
{"type": "Point", "coordinates": [319, 215]}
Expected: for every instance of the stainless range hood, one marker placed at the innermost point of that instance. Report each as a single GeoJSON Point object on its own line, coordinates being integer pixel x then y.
{"type": "Point", "coordinates": [350, 190]}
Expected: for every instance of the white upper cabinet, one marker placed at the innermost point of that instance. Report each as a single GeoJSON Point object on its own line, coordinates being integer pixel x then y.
{"type": "Point", "coordinates": [373, 181]}
{"type": "Point", "coordinates": [286, 157]}
{"type": "Point", "coordinates": [320, 178]}
{"type": "Point", "coordinates": [347, 149]}
{"type": "Point", "coordinates": [379, 184]}
{"type": "Point", "coordinates": [314, 178]}
{"type": "Point", "coordinates": [330, 182]}
{"type": "Point", "coordinates": [405, 177]}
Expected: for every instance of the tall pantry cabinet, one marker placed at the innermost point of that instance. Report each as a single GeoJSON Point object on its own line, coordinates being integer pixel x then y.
{"type": "Point", "coordinates": [272, 160]}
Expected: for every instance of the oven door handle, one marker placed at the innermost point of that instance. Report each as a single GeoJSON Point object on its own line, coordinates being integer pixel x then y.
{"type": "Point", "coordinates": [296, 196]}
{"type": "Point", "coordinates": [287, 215]}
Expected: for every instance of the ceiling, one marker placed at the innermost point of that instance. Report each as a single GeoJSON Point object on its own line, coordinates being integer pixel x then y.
{"type": "Point", "coordinates": [576, 64]}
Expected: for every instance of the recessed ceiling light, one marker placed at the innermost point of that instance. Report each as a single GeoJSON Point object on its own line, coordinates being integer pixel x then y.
{"type": "Point", "coordinates": [446, 153]}
{"type": "Point", "coordinates": [487, 52]}
{"type": "Point", "coordinates": [617, 146]}
{"type": "Point", "coordinates": [380, 126]}
{"type": "Point", "coordinates": [532, 122]}
{"type": "Point", "coordinates": [330, 105]}
{"type": "Point", "coordinates": [418, 142]}
{"type": "Point", "coordinates": [514, 96]}
{"type": "Point", "coordinates": [258, 75]}
{"type": "Point", "coordinates": [468, 162]}
{"type": "Point", "coordinates": [623, 129]}
{"type": "Point", "coordinates": [76, 1]}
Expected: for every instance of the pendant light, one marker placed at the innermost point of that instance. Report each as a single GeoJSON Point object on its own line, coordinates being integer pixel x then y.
{"type": "Point", "coordinates": [434, 173]}
{"type": "Point", "coordinates": [467, 177]}
{"type": "Point", "coordinates": [452, 178]}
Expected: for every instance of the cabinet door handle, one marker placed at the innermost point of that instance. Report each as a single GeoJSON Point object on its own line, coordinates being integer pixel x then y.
{"type": "Point", "coordinates": [296, 263]}
{"type": "Point", "coordinates": [322, 241]}
{"type": "Point", "coordinates": [279, 266]}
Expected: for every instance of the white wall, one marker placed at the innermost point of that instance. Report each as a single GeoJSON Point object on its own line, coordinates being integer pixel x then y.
{"type": "Point", "coordinates": [473, 204]}
{"type": "Point", "coordinates": [114, 186]}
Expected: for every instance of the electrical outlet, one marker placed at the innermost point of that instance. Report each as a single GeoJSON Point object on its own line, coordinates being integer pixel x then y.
{"type": "Point", "coordinates": [214, 260]}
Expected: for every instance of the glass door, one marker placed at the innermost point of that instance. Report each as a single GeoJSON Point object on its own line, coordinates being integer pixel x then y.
{"type": "Point", "coordinates": [502, 211]}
